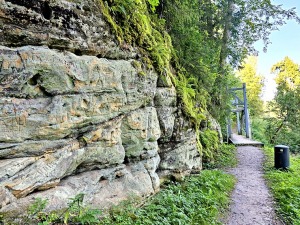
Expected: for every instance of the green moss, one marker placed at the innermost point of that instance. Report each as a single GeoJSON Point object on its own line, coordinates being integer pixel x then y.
{"type": "Point", "coordinates": [199, 145]}
{"type": "Point", "coordinates": [139, 67]}
{"type": "Point", "coordinates": [136, 64]}
{"type": "Point", "coordinates": [141, 73]}
{"type": "Point", "coordinates": [188, 95]}
{"type": "Point", "coordinates": [147, 62]}
{"type": "Point", "coordinates": [135, 25]}
{"type": "Point", "coordinates": [210, 142]}
{"type": "Point", "coordinates": [106, 13]}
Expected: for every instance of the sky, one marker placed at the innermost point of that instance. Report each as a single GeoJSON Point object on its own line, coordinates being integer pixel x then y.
{"type": "Point", "coordinates": [285, 42]}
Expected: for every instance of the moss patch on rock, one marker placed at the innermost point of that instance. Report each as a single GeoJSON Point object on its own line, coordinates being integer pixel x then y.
{"type": "Point", "coordinates": [134, 23]}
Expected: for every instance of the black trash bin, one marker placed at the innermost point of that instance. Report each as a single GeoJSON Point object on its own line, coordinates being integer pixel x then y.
{"type": "Point", "coordinates": [281, 157]}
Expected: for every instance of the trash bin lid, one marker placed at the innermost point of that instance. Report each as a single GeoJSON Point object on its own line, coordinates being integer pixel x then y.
{"type": "Point", "coordinates": [281, 146]}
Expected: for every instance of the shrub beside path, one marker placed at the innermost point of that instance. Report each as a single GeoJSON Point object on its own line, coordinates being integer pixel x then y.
{"type": "Point", "coordinates": [251, 201]}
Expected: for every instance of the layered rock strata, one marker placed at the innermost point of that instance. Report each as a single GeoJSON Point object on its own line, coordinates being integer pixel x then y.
{"type": "Point", "coordinates": [76, 114]}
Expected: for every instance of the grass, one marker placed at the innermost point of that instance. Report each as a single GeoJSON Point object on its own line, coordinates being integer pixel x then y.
{"type": "Point", "coordinates": [285, 186]}
{"type": "Point", "coordinates": [201, 199]}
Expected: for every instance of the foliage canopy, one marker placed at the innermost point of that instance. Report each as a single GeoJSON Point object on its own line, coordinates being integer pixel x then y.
{"type": "Point", "coordinates": [254, 82]}
{"type": "Point", "coordinates": [284, 123]}
{"type": "Point", "coordinates": [210, 37]}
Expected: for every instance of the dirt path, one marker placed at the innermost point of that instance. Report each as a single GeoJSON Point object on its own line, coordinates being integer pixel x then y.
{"type": "Point", "coordinates": [251, 200]}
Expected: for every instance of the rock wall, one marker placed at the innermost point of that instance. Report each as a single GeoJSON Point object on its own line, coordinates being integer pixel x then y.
{"type": "Point", "coordinates": [76, 114]}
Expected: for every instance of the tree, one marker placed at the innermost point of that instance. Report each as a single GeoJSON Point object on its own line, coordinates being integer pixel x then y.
{"type": "Point", "coordinates": [233, 25]}
{"type": "Point", "coordinates": [209, 34]}
{"type": "Point", "coordinates": [192, 25]}
{"type": "Point", "coordinates": [285, 107]}
{"type": "Point", "coordinates": [288, 74]}
{"type": "Point", "coordinates": [254, 84]}
{"type": "Point", "coordinates": [248, 21]}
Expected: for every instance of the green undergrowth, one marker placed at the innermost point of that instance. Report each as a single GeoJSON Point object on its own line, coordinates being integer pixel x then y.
{"type": "Point", "coordinates": [259, 128]}
{"type": "Point", "coordinates": [285, 186]}
{"type": "Point", "coordinates": [75, 213]}
{"type": "Point", "coordinates": [224, 157]}
{"type": "Point", "coordinates": [200, 199]}
{"type": "Point", "coordinates": [215, 154]}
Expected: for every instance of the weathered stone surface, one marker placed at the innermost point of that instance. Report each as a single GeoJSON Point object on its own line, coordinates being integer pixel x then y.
{"type": "Point", "coordinates": [151, 165]}
{"type": "Point", "coordinates": [62, 114]}
{"type": "Point", "coordinates": [5, 197]}
{"type": "Point", "coordinates": [102, 188]}
{"type": "Point", "coordinates": [69, 92]}
{"type": "Point", "coordinates": [10, 167]}
{"type": "Point", "coordinates": [165, 101]}
{"type": "Point", "coordinates": [140, 131]}
{"type": "Point", "coordinates": [32, 148]}
{"type": "Point", "coordinates": [50, 168]}
{"type": "Point", "coordinates": [72, 121]}
{"type": "Point", "coordinates": [41, 72]}
{"type": "Point", "coordinates": [102, 148]}
{"type": "Point", "coordinates": [179, 155]}
{"type": "Point", "coordinates": [166, 96]}
{"type": "Point", "coordinates": [178, 142]}
{"type": "Point", "coordinates": [77, 26]}
{"type": "Point", "coordinates": [166, 116]}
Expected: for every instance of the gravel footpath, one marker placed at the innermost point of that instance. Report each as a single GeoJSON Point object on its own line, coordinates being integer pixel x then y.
{"type": "Point", "coordinates": [251, 201]}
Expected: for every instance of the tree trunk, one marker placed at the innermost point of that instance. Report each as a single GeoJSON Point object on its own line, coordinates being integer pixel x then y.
{"type": "Point", "coordinates": [226, 32]}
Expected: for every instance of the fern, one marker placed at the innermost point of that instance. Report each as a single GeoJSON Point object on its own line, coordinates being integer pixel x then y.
{"type": "Point", "coordinates": [153, 4]}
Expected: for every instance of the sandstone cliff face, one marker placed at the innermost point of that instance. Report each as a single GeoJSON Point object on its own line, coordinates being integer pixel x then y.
{"type": "Point", "coordinates": [76, 114]}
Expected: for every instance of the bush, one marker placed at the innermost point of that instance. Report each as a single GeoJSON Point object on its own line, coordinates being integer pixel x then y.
{"type": "Point", "coordinates": [223, 156]}
{"type": "Point", "coordinates": [259, 127]}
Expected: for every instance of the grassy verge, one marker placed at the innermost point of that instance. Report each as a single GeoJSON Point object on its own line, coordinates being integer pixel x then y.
{"type": "Point", "coordinates": [200, 199]}
{"type": "Point", "coordinates": [224, 157]}
{"type": "Point", "coordinates": [285, 186]}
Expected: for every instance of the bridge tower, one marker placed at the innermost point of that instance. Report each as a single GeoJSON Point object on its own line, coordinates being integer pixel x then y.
{"type": "Point", "coordinates": [240, 107]}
